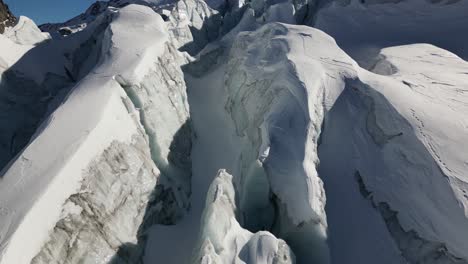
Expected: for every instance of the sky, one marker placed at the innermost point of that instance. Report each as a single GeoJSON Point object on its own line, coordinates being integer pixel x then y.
{"type": "Point", "coordinates": [43, 11]}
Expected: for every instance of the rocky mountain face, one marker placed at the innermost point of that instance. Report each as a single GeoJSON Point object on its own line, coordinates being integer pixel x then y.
{"type": "Point", "coordinates": [6, 17]}
{"type": "Point", "coordinates": [254, 132]}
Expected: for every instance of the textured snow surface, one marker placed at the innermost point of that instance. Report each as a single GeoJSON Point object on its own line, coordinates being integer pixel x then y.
{"type": "Point", "coordinates": [322, 132]}
{"type": "Point", "coordinates": [35, 185]}
{"type": "Point", "coordinates": [223, 240]}
{"type": "Point", "coordinates": [25, 32]}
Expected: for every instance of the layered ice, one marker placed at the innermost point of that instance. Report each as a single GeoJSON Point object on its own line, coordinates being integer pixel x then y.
{"type": "Point", "coordinates": [223, 240]}
{"type": "Point", "coordinates": [220, 132]}
{"type": "Point", "coordinates": [37, 189]}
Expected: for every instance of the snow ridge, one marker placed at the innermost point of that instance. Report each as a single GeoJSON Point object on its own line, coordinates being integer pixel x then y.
{"type": "Point", "coordinates": [195, 131]}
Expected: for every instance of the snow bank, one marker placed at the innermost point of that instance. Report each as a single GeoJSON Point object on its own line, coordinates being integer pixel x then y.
{"type": "Point", "coordinates": [281, 79]}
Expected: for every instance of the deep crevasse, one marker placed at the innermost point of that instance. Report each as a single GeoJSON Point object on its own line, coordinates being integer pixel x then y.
{"type": "Point", "coordinates": [255, 141]}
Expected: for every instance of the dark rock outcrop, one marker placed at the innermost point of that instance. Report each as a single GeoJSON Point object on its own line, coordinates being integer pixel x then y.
{"type": "Point", "coordinates": [6, 17]}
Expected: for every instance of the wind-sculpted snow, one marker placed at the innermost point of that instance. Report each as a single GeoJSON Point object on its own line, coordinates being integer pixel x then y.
{"type": "Point", "coordinates": [400, 136]}
{"type": "Point", "coordinates": [376, 24]}
{"type": "Point", "coordinates": [28, 94]}
{"type": "Point", "coordinates": [277, 101]}
{"type": "Point", "coordinates": [25, 32]}
{"type": "Point", "coordinates": [426, 98]}
{"type": "Point", "coordinates": [223, 240]}
{"type": "Point", "coordinates": [220, 132]}
{"type": "Point", "coordinates": [249, 86]}
{"type": "Point", "coordinates": [85, 131]}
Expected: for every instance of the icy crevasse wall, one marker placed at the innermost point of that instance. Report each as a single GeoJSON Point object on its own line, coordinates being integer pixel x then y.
{"type": "Point", "coordinates": [223, 240]}
{"type": "Point", "coordinates": [281, 81]}
{"type": "Point", "coordinates": [148, 170]}
{"type": "Point", "coordinates": [278, 107]}
{"type": "Point", "coordinates": [103, 214]}
{"type": "Point", "coordinates": [153, 189]}
{"type": "Point", "coordinates": [150, 178]}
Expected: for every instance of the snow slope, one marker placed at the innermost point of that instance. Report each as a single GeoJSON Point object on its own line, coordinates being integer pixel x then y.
{"type": "Point", "coordinates": [222, 132]}
{"type": "Point", "coordinates": [393, 138]}
{"type": "Point", "coordinates": [371, 27]}
{"type": "Point", "coordinates": [35, 185]}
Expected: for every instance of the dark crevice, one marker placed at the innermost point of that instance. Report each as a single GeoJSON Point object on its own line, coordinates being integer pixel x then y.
{"type": "Point", "coordinates": [7, 19]}
{"type": "Point", "coordinates": [162, 207]}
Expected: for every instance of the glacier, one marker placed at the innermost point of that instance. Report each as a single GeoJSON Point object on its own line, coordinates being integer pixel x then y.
{"type": "Point", "coordinates": [270, 132]}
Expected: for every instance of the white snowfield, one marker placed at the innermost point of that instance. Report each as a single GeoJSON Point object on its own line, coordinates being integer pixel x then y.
{"type": "Point", "coordinates": [222, 132]}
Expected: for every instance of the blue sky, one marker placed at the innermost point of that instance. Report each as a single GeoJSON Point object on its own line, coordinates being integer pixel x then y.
{"type": "Point", "coordinates": [43, 11]}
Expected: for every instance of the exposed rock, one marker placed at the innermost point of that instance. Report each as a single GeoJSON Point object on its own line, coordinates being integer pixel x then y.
{"type": "Point", "coordinates": [6, 17]}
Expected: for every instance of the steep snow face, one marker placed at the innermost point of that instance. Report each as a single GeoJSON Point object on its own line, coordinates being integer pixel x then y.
{"type": "Point", "coordinates": [68, 188]}
{"type": "Point", "coordinates": [399, 135]}
{"type": "Point", "coordinates": [403, 230]}
{"type": "Point", "coordinates": [328, 162]}
{"type": "Point", "coordinates": [111, 198]}
{"type": "Point", "coordinates": [223, 240]}
{"type": "Point", "coordinates": [371, 27]}
{"type": "Point", "coordinates": [150, 178]}
{"type": "Point", "coordinates": [25, 32]}
{"type": "Point", "coordinates": [29, 93]}
{"type": "Point", "coordinates": [435, 95]}
{"type": "Point", "coordinates": [279, 91]}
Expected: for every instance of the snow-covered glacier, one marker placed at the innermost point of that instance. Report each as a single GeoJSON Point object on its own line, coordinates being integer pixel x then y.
{"type": "Point", "coordinates": [309, 132]}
